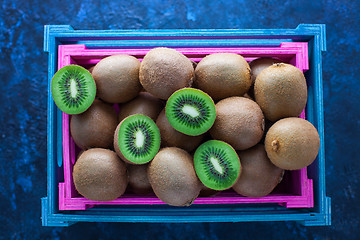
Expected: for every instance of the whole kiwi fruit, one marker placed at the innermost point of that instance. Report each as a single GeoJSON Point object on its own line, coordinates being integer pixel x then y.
{"type": "Point", "coordinates": [138, 179]}
{"type": "Point", "coordinates": [100, 175]}
{"type": "Point", "coordinates": [172, 138]}
{"type": "Point", "coordinates": [117, 78]}
{"type": "Point", "coordinates": [260, 64]}
{"type": "Point", "coordinates": [292, 143]}
{"type": "Point", "coordinates": [259, 176]}
{"type": "Point", "coordinates": [281, 91]}
{"type": "Point", "coordinates": [239, 122]}
{"type": "Point", "coordinates": [165, 70]}
{"type": "Point", "coordinates": [256, 67]}
{"type": "Point", "coordinates": [223, 75]}
{"type": "Point", "coordinates": [172, 176]}
{"type": "Point", "coordinates": [95, 127]}
{"type": "Point", "coordinates": [144, 104]}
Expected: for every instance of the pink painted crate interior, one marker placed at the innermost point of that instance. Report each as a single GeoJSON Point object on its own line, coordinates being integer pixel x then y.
{"type": "Point", "coordinates": [295, 190]}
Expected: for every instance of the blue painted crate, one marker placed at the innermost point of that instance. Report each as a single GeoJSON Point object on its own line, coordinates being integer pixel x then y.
{"type": "Point", "coordinates": [314, 34]}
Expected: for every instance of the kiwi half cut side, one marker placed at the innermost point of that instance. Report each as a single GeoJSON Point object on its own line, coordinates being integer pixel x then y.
{"type": "Point", "coordinates": [190, 111]}
{"type": "Point", "coordinates": [137, 139]}
{"type": "Point", "coordinates": [73, 89]}
{"type": "Point", "coordinates": [217, 165]}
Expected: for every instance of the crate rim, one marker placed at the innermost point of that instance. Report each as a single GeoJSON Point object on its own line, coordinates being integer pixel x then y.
{"type": "Point", "coordinates": [65, 34]}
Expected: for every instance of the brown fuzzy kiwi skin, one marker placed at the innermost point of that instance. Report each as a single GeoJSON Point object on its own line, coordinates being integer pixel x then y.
{"type": "Point", "coordinates": [95, 127]}
{"type": "Point", "coordinates": [260, 64]}
{"type": "Point", "coordinates": [172, 138]}
{"type": "Point", "coordinates": [239, 122]}
{"type": "Point", "coordinates": [117, 78]}
{"type": "Point", "coordinates": [138, 179]}
{"type": "Point", "coordinates": [144, 104]}
{"type": "Point", "coordinates": [172, 176]}
{"type": "Point", "coordinates": [223, 75]}
{"type": "Point", "coordinates": [165, 70]}
{"type": "Point", "coordinates": [292, 143]}
{"type": "Point", "coordinates": [259, 176]}
{"type": "Point", "coordinates": [256, 67]}
{"type": "Point", "coordinates": [100, 175]}
{"type": "Point", "coordinates": [281, 91]}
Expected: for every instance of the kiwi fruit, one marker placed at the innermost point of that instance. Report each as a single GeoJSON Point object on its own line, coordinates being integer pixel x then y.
{"type": "Point", "coordinates": [172, 138]}
{"type": "Point", "coordinates": [165, 70]}
{"type": "Point", "coordinates": [260, 64]}
{"type": "Point", "coordinates": [95, 127]}
{"type": "Point", "coordinates": [144, 104]}
{"type": "Point", "coordinates": [281, 91]}
{"type": "Point", "coordinates": [223, 75]}
{"type": "Point", "coordinates": [172, 177]}
{"type": "Point", "coordinates": [137, 139]}
{"type": "Point", "coordinates": [259, 176]}
{"type": "Point", "coordinates": [138, 179]}
{"type": "Point", "coordinates": [117, 78]}
{"type": "Point", "coordinates": [239, 122]}
{"type": "Point", "coordinates": [100, 175]}
{"type": "Point", "coordinates": [292, 143]}
{"type": "Point", "coordinates": [217, 164]}
{"type": "Point", "coordinates": [190, 111]}
{"type": "Point", "coordinates": [73, 89]}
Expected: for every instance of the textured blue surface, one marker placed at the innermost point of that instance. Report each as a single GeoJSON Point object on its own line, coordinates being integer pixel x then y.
{"type": "Point", "coordinates": [24, 93]}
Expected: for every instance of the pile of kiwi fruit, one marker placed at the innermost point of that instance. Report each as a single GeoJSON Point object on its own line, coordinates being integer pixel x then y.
{"type": "Point", "coordinates": [181, 129]}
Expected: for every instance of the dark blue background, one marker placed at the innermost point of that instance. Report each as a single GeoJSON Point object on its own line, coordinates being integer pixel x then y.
{"type": "Point", "coordinates": [23, 96]}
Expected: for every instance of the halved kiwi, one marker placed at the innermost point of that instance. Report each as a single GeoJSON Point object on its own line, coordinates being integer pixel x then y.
{"type": "Point", "coordinates": [190, 111]}
{"type": "Point", "coordinates": [172, 138]}
{"type": "Point", "coordinates": [172, 176]}
{"type": "Point", "coordinates": [144, 104]}
{"type": "Point", "coordinates": [100, 175]}
{"type": "Point", "coordinates": [73, 89]}
{"type": "Point", "coordinates": [137, 139]}
{"type": "Point", "coordinates": [259, 176]}
{"type": "Point", "coordinates": [217, 165]}
{"type": "Point", "coordinates": [94, 127]}
{"type": "Point", "coordinates": [165, 70]}
{"type": "Point", "coordinates": [292, 143]}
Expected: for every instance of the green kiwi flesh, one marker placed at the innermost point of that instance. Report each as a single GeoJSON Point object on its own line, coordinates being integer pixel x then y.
{"type": "Point", "coordinates": [138, 179]}
{"type": "Point", "coordinates": [292, 143]}
{"type": "Point", "coordinates": [281, 91]}
{"type": "Point", "coordinates": [137, 139]}
{"type": "Point", "coordinates": [73, 89]}
{"type": "Point", "coordinates": [165, 70]}
{"type": "Point", "coordinates": [95, 127]}
{"type": "Point", "coordinates": [239, 122]}
{"type": "Point", "coordinates": [143, 104]}
{"type": "Point", "coordinates": [117, 78]}
{"type": "Point", "coordinates": [217, 165]}
{"type": "Point", "coordinates": [172, 176]}
{"type": "Point", "coordinates": [190, 111]}
{"type": "Point", "coordinates": [172, 138]}
{"type": "Point", "coordinates": [259, 176]}
{"type": "Point", "coordinates": [100, 175]}
{"type": "Point", "coordinates": [223, 75]}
